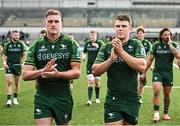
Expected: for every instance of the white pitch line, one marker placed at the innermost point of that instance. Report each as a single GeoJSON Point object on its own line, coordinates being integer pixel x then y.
{"type": "Point", "coordinates": [151, 86]}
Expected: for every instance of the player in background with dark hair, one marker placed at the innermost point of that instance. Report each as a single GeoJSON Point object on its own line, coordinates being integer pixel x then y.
{"type": "Point", "coordinates": [13, 54]}
{"type": "Point", "coordinates": [163, 52]}
{"type": "Point", "coordinates": [42, 33]}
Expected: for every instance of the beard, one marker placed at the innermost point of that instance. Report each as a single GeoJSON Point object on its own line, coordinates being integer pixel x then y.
{"type": "Point", "coordinates": [166, 39]}
{"type": "Point", "coordinates": [15, 39]}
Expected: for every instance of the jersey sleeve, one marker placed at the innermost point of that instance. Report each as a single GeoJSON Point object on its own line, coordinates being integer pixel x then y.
{"type": "Point", "coordinates": [24, 47]}
{"type": "Point", "coordinates": [75, 56]}
{"type": "Point", "coordinates": [101, 55]}
{"type": "Point", "coordinates": [153, 49]}
{"type": "Point", "coordinates": [101, 43]}
{"type": "Point", "coordinates": [30, 57]}
{"type": "Point", "coordinates": [5, 48]}
{"type": "Point", "coordinates": [140, 51]}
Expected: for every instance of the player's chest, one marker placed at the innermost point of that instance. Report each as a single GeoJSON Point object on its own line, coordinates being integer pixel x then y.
{"type": "Point", "coordinates": [162, 50]}
{"type": "Point", "coordinates": [54, 48]}
{"type": "Point", "coordinates": [14, 48]}
{"type": "Point", "coordinates": [91, 48]}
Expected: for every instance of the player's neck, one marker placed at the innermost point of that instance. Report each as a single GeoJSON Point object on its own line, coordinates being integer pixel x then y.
{"type": "Point", "coordinates": [13, 41]}
{"type": "Point", "coordinates": [124, 40]}
{"type": "Point", "coordinates": [53, 37]}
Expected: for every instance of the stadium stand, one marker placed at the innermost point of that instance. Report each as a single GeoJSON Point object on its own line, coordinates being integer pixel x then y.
{"type": "Point", "coordinates": [91, 13]}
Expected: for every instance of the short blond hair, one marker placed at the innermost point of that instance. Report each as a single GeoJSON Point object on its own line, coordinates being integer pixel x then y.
{"type": "Point", "coordinates": [124, 17]}
{"type": "Point", "coordinates": [52, 12]}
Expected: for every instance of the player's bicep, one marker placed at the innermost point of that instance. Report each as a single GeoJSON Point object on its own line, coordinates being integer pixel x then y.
{"type": "Point", "coordinates": [28, 67]}
{"type": "Point", "coordinates": [75, 65]}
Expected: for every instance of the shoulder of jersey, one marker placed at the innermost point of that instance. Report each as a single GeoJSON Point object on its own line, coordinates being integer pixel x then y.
{"type": "Point", "coordinates": [135, 40]}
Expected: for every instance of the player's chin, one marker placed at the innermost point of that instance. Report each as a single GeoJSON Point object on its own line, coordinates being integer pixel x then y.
{"type": "Point", "coordinates": [53, 32]}
{"type": "Point", "coordinates": [120, 36]}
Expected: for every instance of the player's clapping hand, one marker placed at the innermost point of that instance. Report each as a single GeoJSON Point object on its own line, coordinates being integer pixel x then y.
{"type": "Point", "coordinates": [51, 74]}
{"type": "Point", "coordinates": [50, 65]}
{"type": "Point", "coordinates": [117, 45]}
{"type": "Point", "coordinates": [95, 45]}
{"type": "Point", "coordinates": [49, 70]}
{"type": "Point", "coordinates": [169, 41]}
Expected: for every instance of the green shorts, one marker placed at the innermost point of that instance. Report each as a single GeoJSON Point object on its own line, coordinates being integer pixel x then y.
{"type": "Point", "coordinates": [14, 69]}
{"type": "Point", "coordinates": [58, 107]}
{"type": "Point", "coordinates": [117, 109]}
{"type": "Point", "coordinates": [165, 77]}
{"type": "Point", "coordinates": [89, 69]}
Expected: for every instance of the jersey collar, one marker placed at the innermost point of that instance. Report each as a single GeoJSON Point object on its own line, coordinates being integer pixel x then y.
{"type": "Point", "coordinates": [59, 38]}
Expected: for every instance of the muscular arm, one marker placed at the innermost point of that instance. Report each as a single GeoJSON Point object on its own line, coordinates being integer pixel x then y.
{"type": "Point", "coordinates": [30, 72]}
{"type": "Point", "coordinates": [138, 64]}
{"type": "Point", "coordinates": [4, 58]}
{"type": "Point", "coordinates": [150, 59]}
{"type": "Point", "coordinates": [175, 52]}
{"type": "Point", "coordinates": [100, 68]}
{"type": "Point", "coordinates": [74, 73]}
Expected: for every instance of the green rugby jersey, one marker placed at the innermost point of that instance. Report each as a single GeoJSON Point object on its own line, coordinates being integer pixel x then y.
{"type": "Point", "coordinates": [92, 51]}
{"type": "Point", "coordinates": [163, 56]}
{"type": "Point", "coordinates": [42, 51]}
{"type": "Point", "coordinates": [122, 79]}
{"type": "Point", "coordinates": [147, 45]}
{"type": "Point", "coordinates": [14, 52]}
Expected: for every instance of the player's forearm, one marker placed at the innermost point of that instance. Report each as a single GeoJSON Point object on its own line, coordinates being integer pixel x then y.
{"type": "Point", "coordinates": [31, 74]}
{"type": "Point", "coordinates": [98, 69]}
{"type": "Point", "coordinates": [138, 64]}
{"type": "Point", "coordinates": [175, 52]}
{"type": "Point", "coordinates": [147, 67]}
{"type": "Point", "coordinates": [70, 74]}
{"type": "Point", "coordinates": [4, 58]}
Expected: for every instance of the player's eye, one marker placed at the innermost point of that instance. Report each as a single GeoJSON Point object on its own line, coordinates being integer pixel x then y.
{"type": "Point", "coordinates": [51, 21]}
{"type": "Point", "coordinates": [117, 26]}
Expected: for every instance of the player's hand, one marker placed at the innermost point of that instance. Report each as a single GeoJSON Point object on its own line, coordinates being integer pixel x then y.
{"type": "Point", "coordinates": [50, 66]}
{"type": "Point", "coordinates": [95, 45]}
{"type": "Point", "coordinates": [142, 76]}
{"type": "Point", "coordinates": [5, 65]}
{"type": "Point", "coordinates": [169, 41]}
{"type": "Point", "coordinates": [51, 74]}
{"type": "Point", "coordinates": [114, 55]}
{"type": "Point", "coordinates": [117, 45]}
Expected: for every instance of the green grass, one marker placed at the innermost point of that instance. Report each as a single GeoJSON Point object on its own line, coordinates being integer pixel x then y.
{"type": "Point", "coordinates": [82, 114]}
